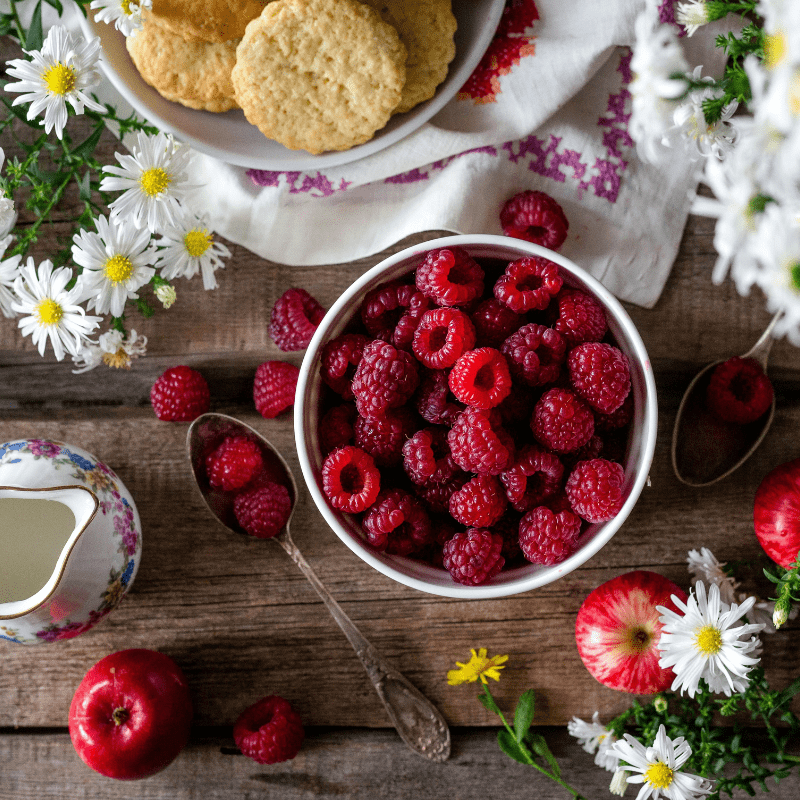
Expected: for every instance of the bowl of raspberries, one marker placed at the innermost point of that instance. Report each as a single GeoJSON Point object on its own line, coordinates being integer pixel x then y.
{"type": "Point", "coordinates": [475, 416]}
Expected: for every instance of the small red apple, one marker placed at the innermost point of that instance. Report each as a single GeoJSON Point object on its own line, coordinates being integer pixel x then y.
{"type": "Point", "coordinates": [617, 631]}
{"type": "Point", "coordinates": [776, 513]}
{"type": "Point", "coordinates": [131, 714]}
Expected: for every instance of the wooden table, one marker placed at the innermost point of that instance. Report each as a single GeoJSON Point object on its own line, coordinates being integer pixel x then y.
{"type": "Point", "coordinates": [241, 620]}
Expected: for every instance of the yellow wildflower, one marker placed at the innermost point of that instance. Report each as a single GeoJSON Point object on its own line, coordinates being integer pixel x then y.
{"type": "Point", "coordinates": [479, 666]}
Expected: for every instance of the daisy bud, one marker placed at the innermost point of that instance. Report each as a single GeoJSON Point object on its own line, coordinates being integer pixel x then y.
{"type": "Point", "coordinates": [8, 216]}
{"type": "Point", "coordinates": [781, 613]}
{"type": "Point", "coordinates": [166, 294]}
{"type": "Point", "coordinates": [660, 704]}
{"type": "Point", "coordinates": [619, 783]}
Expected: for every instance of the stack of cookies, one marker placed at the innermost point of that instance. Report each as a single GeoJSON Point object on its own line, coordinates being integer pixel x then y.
{"type": "Point", "coordinates": [314, 75]}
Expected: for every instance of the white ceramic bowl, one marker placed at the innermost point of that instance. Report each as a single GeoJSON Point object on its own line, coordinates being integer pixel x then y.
{"type": "Point", "coordinates": [641, 440]}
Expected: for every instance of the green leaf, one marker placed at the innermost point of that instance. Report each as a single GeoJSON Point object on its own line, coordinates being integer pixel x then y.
{"type": "Point", "coordinates": [35, 37]}
{"type": "Point", "coordinates": [85, 187]}
{"type": "Point", "coordinates": [523, 715]}
{"type": "Point", "coordinates": [512, 748]}
{"type": "Point", "coordinates": [56, 5]}
{"type": "Point", "coordinates": [488, 702]}
{"type": "Point", "coordinates": [88, 145]}
{"type": "Point", "coordinates": [539, 746]}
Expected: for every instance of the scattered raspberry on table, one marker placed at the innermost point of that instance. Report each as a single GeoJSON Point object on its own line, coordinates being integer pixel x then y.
{"type": "Point", "coordinates": [269, 731]}
{"type": "Point", "coordinates": [295, 317]}
{"type": "Point", "coordinates": [180, 395]}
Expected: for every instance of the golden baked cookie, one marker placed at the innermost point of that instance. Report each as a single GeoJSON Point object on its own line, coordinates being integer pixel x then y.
{"type": "Point", "coordinates": [195, 74]}
{"type": "Point", "coordinates": [426, 28]}
{"type": "Point", "coordinates": [319, 75]}
{"type": "Point", "coordinates": [206, 20]}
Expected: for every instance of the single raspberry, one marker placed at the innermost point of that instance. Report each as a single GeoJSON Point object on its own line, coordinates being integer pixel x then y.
{"type": "Point", "coordinates": [269, 731]}
{"type": "Point", "coordinates": [480, 378]}
{"type": "Point", "coordinates": [616, 419]}
{"type": "Point", "coordinates": [436, 496]}
{"type": "Point", "coordinates": [562, 421]}
{"type": "Point", "coordinates": [739, 391]}
{"type": "Point", "coordinates": [434, 400]}
{"type": "Point", "coordinates": [547, 537]}
{"type": "Point", "coordinates": [595, 489]}
{"type": "Point", "coordinates": [234, 463]}
{"type": "Point", "coordinates": [383, 438]}
{"type": "Point", "coordinates": [350, 479]}
{"type": "Point", "coordinates": [474, 556]}
{"type": "Point", "coordinates": [535, 354]}
{"type": "Point", "coordinates": [385, 378]}
{"type": "Point", "coordinates": [535, 217]}
{"type": "Point", "coordinates": [336, 428]}
{"type": "Point", "coordinates": [528, 284]}
{"type": "Point", "coordinates": [406, 327]}
{"type": "Point", "coordinates": [600, 374]}
{"type": "Point", "coordinates": [578, 317]}
{"type": "Point", "coordinates": [450, 277]}
{"type": "Point", "coordinates": [180, 395]}
{"type": "Point", "coordinates": [263, 512]}
{"type": "Point", "coordinates": [535, 476]}
{"type": "Point", "coordinates": [479, 503]}
{"type": "Point", "coordinates": [494, 322]}
{"type": "Point", "coordinates": [479, 443]}
{"type": "Point", "coordinates": [397, 523]}
{"type": "Point", "coordinates": [340, 357]}
{"type": "Point", "coordinates": [384, 308]}
{"type": "Point", "coordinates": [274, 387]}
{"type": "Point", "coordinates": [295, 317]}
{"type": "Point", "coordinates": [426, 457]}
{"type": "Point", "coordinates": [442, 337]}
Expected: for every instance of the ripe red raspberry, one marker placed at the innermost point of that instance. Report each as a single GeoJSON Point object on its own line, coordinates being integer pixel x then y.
{"type": "Point", "coordinates": [295, 317]}
{"type": "Point", "coordinates": [426, 457]}
{"type": "Point", "coordinates": [350, 479]}
{"type": "Point", "coordinates": [600, 374]}
{"type": "Point", "coordinates": [397, 523]}
{"type": "Point", "coordinates": [436, 496]}
{"type": "Point", "coordinates": [269, 731]}
{"type": "Point", "coordinates": [234, 463]}
{"type": "Point", "coordinates": [478, 442]}
{"type": "Point", "coordinates": [535, 476]}
{"type": "Point", "coordinates": [435, 401]}
{"type": "Point", "coordinates": [450, 277]}
{"type": "Point", "coordinates": [616, 419]}
{"type": "Point", "coordinates": [391, 312]}
{"type": "Point", "coordinates": [480, 378]}
{"type": "Point", "coordinates": [383, 438]}
{"type": "Point", "coordinates": [578, 317]}
{"type": "Point", "coordinates": [535, 354]}
{"type": "Point", "coordinates": [535, 217]}
{"type": "Point", "coordinates": [336, 428]}
{"type": "Point", "coordinates": [385, 378]}
{"type": "Point", "coordinates": [442, 337]}
{"type": "Point", "coordinates": [474, 556]}
{"type": "Point", "coordinates": [547, 537]}
{"type": "Point", "coordinates": [180, 395]}
{"type": "Point", "coordinates": [340, 358]}
{"type": "Point", "coordinates": [562, 421]}
{"type": "Point", "coordinates": [739, 391]}
{"type": "Point", "coordinates": [479, 503]}
{"type": "Point", "coordinates": [263, 512]}
{"type": "Point", "coordinates": [274, 387]}
{"type": "Point", "coordinates": [596, 489]}
{"type": "Point", "coordinates": [528, 284]}
{"type": "Point", "coordinates": [494, 322]}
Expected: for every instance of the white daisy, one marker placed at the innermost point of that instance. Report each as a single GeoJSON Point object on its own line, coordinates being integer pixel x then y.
{"type": "Point", "coordinates": [188, 248]}
{"type": "Point", "coordinates": [693, 15]}
{"type": "Point", "coordinates": [700, 643]}
{"type": "Point", "coordinates": [62, 72]}
{"type": "Point", "coordinates": [112, 349]}
{"type": "Point", "coordinates": [52, 311]}
{"type": "Point", "coordinates": [619, 783]}
{"type": "Point", "coordinates": [9, 270]}
{"type": "Point", "coordinates": [657, 768]}
{"type": "Point", "coordinates": [125, 14]}
{"type": "Point", "coordinates": [116, 261]}
{"type": "Point", "coordinates": [703, 566]}
{"type": "Point", "coordinates": [595, 738]}
{"type": "Point", "coordinates": [153, 181]}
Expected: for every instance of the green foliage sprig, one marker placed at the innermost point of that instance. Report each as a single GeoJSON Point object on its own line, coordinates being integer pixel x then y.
{"type": "Point", "coordinates": [787, 582]}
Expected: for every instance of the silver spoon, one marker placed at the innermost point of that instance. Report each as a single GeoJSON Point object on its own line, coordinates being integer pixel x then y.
{"type": "Point", "coordinates": [420, 724]}
{"type": "Point", "coordinates": [706, 449]}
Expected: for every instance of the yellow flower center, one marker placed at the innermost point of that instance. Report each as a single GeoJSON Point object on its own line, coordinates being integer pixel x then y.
{"type": "Point", "coordinates": [709, 640]}
{"type": "Point", "coordinates": [118, 269]}
{"type": "Point", "coordinates": [659, 775]}
{"type": "Point", "coordinates": [59, 79]}
{"type": "Point", "coordinates": [794, 94]}
{"type": "Point", "coordinates": [197, 242]}
{"type": "Point", "coordinates": [125, 5]}
{"type": "Point", "coordinates": [118, 360]}
{"type": "Point", "coordinates": [774, 49]}
{"type": "Point", "coordinates": [154, 181]}
{"type": "Point", "coordinates": [49, 312]}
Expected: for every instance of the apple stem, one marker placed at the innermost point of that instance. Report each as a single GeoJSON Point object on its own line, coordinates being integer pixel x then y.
{"type": "Point", "coordinates": [120, 715]}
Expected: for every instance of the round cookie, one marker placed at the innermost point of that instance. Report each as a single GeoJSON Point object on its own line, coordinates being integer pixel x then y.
{"type": "Point", "coordinates": [195, 74]}
{"type": "Point", "coordinates": [206, 20]}
{"type": "Point", "coordinates": [319, 75]}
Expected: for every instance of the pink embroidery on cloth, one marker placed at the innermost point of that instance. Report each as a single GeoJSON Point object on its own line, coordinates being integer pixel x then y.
{"type": "Point", "coordinates": [666, 16]}
{"type": "Point", "coordinates": [316, 185]}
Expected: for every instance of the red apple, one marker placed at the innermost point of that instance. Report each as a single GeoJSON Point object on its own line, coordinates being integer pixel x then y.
{"type": "Point", "coordinates": [617, 631]}
{"type": "Point", "coordinates": [776, 513]}
{"type": "Point", "coordinates": [131, 714]}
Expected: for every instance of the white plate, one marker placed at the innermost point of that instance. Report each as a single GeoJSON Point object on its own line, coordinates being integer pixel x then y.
{"type": "Point", "coordinates": [231, 138]}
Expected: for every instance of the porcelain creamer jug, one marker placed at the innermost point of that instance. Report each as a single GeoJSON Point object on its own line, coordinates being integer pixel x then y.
{"type": "Point", "coordinates": [70, 541]}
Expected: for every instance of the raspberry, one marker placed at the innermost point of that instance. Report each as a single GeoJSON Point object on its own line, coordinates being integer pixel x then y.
{"type": "Point", "coordinates": [600, 374]}
{"type": "Point", "coordinates": [269, 731]}
{"type": "Point", "coordinates": [580, 318]}
{"type": "Point", "coordinates": [385, 378]}
{"type": "Point", "coordinates": [426, 457]}
{"type": "Point", "coordinates": [547, 537]}
{"type": "Point", "coordinates": [478, 442]}
{"type": "Point", "coordinates": [616, 419]}
{"type": "Point", "coordinates": [473, 557]}
{"type": "Point", "coordinates": [562, 421]}
{"type": "Point", "coordinates": [436, 496]}
{"type": "Point", "coordinates": [450, 277]}
{"type": "Point", "coordinates": [739, 391]}
{"type": "Point", "coordinates": [442, 337]}
{"type": "Point", "coordinates": [350, 479]}
{"type": "Point", "coordinates": [234, 463]}
{"type": "Point", "coordinates": [383, 438]}
{"type": "Point", "coordinates": [535, 217]}
{"type": "Point", "coordinates": [535, 476]}
{"type": "Point", "coordinates": [595, 489]}
{"type": "Point", "coordinates": [479, 503]}
{"type": "Point", "coordinates": [295, 317]}
{"type": "Point", "coordinates": [528, 284]}
{"type": "Point", "coordinates": [391, 312]}
{"type": "Point", "coordinates": [435, 402]}
{"type": "Point", "coordinates": [263, 512]}
{"type": "Point", "coordinates": [494, 322]}
{"type": "Point", "coordinates": [340, 357]}
{"type": "Point", "coordinates": [336, 428]}
{"type": "Point", "coordinates": [180, 395]}
{"type": "Point", "coordinates": [274, 387]}
{"type": "Point", "coordinates": [535, 354]}
{"type": "Point", "coordinates": [397, 523]}
{"type": "Point", "coordinates": [480, 378]}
